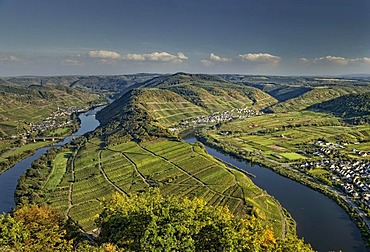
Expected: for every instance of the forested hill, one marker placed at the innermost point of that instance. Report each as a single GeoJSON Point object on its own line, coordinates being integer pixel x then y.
{"type": "Point", "coordinates": [166, 100]}
{"type": "Point", "coordinates": [21, 105]}
{"type": "Point", "coordinates": [107, 84]}
{"type": "Point", "coordinates": [347, 106]}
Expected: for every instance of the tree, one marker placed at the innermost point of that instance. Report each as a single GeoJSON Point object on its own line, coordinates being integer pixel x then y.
{"type": "Point", "coordinates": [151, 222]}
{"type": "Point", "coordinates": [34, 228]}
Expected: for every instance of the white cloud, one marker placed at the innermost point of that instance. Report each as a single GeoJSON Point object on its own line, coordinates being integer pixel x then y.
{"type": "Point", "coordinates": [103, 54]}
{"type": "Point", "coordinates": [264, 58]}
{"type": "Point", "coordinates": [165, 57]}
{"type": "Point", "coordinates": [155, 56]}
{"type": "Point", "coordinates": [216, 58]}
{"type": "Point", "coordinates": [9, 58]}
{"type": "Point", "coordinates": [304, 60]}
{"type": "Point", "coordinates": [213, 58]}
{"type": "Point", "coordinates": [363, 60]}
{"type": "Point", "coordinates": [334, 59]}
{"type": "Point", "coordinates": [134, 57]}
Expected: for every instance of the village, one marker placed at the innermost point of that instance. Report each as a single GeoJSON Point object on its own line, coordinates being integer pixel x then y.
{"type": "Point", "coordinates": [352, 176]}
{"type": "Point", "coordinates": [58, 119]}
{"type": "Point", "coordinates": [217, 117]}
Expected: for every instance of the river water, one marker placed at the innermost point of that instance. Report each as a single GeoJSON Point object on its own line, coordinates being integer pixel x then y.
{"type": "Point", "coordinates": [321, 222]}
{"type": "Point", "coordinates": [9, 178]}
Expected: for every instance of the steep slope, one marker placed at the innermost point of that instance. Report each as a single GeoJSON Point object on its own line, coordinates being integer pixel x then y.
{"type": "Point", "coordinates": [22, 105]}
{"type": "Point", "coordinates": [318, 95]}
{"type": "Point", "coordinates": [347, 106]}
{"type": "Point", "coordinates": [212, 92]}
{"type": "Point", "coordinates": [102, 84]}
{"type": "Point", "coordinates": [169, 99]}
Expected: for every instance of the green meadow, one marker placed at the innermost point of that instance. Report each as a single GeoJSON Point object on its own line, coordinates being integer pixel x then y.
{"type": "Point", "coordinates": [282, 136]}
{"type": "Point", "coordinates": [79, 179]}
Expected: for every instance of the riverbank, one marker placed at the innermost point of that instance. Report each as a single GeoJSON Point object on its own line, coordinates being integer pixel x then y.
{"type": "Point", "coordinates": [354, 213]}
{"type": "Point", "coordinates": [9, 178]}
{"type": "Point", "coordinates": [28, 147]}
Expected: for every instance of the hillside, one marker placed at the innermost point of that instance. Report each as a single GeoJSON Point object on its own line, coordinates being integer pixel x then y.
{"type": "Point", "coordinates": [318, 95]}
{"type": "Point", "coordinates": [169, 99]}
{"type": "Point", "coordinates": [102, 84]}
{"type": "Point", "coordinates": [133, 151]}
{"type": "Point", "coordinates": [23, 105]}
{"type": "Point", "coordinates": [347, 106]}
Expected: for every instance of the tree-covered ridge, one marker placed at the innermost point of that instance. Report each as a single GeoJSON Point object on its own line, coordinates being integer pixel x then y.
{"type": "Point", "coordinates": [125, 120]}
{"type": "Point", "coordinates": [151, 222]}
{"type": "Point", "coordinates": [166, 100]}
{"type": "Point", "coordinates": [142, 222]}
{"type": "Point", "coordinates": [347, 106]}
{"type": "Point", "coordinates": [211, 91]}
{"type": "Point", "coordinates": [24, 105]}
{"type": "Point", "coordinates": [103, 84]}
{"type": "Point", "coordinates": [318, 95]}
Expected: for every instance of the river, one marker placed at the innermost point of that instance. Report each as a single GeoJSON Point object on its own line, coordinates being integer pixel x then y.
{"type": "Point", "coordinates": [319, 219]}
{"type": "Point", "coordinates": [321, 222]}
{"type": "Point", "coordinates": [9, 178]}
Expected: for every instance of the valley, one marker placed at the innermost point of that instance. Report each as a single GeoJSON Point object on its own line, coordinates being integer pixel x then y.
{"type": "Point", "coordinates": [282, 123]}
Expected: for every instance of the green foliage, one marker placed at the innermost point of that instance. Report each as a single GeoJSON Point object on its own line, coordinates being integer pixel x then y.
{"type": "Point", "coordinates": [34, 228]}
{"type": "Point", "coordinates": [349, 106]}
{"type": "Point", "coordinates": [151, 222]}
{"type": "Point", "coordinates": [318, 95]}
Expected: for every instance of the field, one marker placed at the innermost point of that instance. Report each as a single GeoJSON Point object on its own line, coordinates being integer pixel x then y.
{"type": "Point", "coordinates": [175, 167]}
{"type": "Point", "coordinates": [282, 137]}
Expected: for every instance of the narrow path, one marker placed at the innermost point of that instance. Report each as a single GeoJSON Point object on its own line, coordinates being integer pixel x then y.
{"type": "Point", "coordinates": [178, 167]}
{"type": "Point", "coordinates": [283, 224]}
{"type": "Point", "coordinates": [106, 176]}
{"type": "Point", "coordinates": [192, 176]}
{"type": "Point", "coordinates": [70, 204]}
{"type": "Point", "coordinates": [135, 166]}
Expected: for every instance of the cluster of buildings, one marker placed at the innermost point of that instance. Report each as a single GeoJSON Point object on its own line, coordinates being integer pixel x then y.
{"type": "Point", "coordinates": [58, 119]}
{"type": "Point", "coordinates": [223, 116]}
{"type": "Point", "coordinates": [217, 117]}
{"type": "Point", "coordinates": [352, 176]}
{"type": "Point", "coordinates": [323, 149]}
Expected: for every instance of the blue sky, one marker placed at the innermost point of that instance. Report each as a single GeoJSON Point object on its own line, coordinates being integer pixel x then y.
{"type": "Point", "coordinates": [275, 37]}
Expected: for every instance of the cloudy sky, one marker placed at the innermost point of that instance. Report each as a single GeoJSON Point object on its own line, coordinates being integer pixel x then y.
{"type": "Point", "coordinates": [274, 37]}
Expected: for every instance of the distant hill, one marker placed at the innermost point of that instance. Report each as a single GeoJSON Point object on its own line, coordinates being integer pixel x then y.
{"type": "Point", "coordinates": [103, 84]}
{"type": "Point", "coordinates": [166, 100]}
{"type": "Point", "coordinates": [347, 106]}
{"type": "Point", "coordinates": [318, 95]}
{"type": "Point", "coordinates": [22, 105]}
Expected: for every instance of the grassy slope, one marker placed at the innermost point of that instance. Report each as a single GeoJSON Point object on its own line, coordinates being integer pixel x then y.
{"type": "Point", "coordinates": [280, 136]}
{"type": "Point", "coordinates": [348, 106]}
{"type": "Point", "coordinates": [21, 106]}
{"type": "Point", "coordinates": [174, 166]}
{"type": "Point", "coordinates": [318, 95]}
{"type": "Point", "coordinates": [169, 99]}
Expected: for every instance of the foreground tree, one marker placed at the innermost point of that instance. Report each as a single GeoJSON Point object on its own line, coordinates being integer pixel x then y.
{"type": "Point", "coordinates": [151, 222]}
{"type": "Point", "coordinates": [34, 228]}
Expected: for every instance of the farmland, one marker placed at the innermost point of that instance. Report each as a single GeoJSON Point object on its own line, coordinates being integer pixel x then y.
{"type": "Point", "coordinates": [284, 137]}
{"type": "Point", "coordinates": [80, 178]}
{"type": "Point", "coordinates": [26, 112]}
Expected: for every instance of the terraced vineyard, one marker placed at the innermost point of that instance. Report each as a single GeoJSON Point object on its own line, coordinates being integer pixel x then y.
{"type": "Point", "coordinates": [79, 179]}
